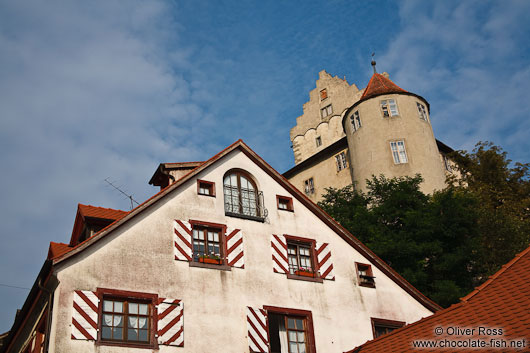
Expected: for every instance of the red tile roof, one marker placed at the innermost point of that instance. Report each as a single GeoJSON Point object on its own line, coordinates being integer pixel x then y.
{"type": "Point", "coordinates": [57, 249]}
{"type": "Point", "coordinates": [101, 212]}
{"type": "Point", "coordinates": [502, 302]}
{"type": "Point", "coordinates": [379, 85]}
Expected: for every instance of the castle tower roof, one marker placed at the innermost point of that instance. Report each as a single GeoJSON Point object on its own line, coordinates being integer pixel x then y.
{"type": "Point", "coordinates": [378, 85]}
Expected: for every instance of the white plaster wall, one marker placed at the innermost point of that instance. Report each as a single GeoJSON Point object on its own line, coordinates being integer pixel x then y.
{"type": "Point", "coordinates": [139, 257]}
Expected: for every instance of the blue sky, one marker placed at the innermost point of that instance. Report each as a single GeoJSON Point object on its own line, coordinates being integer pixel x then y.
{"type": "Point", "coordinates": [90, 90]}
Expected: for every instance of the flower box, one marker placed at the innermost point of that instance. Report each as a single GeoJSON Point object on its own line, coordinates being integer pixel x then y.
{"type": "Point", "coordinates": [304, 273]}
{"type": "Point", "coordinates": [206, 260]}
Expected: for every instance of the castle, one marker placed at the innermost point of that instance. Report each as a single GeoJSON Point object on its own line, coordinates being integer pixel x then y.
{"type": "Point", "coordinates": [346, 135]}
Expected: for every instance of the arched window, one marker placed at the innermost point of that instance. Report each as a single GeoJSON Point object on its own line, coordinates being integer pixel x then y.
{"type": "Point", "coordinates": [241, 194]}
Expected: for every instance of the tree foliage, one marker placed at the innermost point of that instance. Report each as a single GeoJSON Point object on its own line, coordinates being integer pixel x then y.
{"type": "Point", "coordinates": [446, 243]}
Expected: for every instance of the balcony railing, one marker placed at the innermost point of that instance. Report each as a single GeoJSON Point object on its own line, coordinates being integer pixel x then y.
{"type": "Point", "coordinates": [244, 203]}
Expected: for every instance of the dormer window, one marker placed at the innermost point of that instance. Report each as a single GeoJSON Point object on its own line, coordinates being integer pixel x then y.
{"type": "Point", "coordinates": [389, 108]}
{"type": "Point", "coordinates": [241, 196]}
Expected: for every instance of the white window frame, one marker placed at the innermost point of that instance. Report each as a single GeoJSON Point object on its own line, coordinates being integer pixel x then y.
{"type": "Point", "coordinates": [309, 186]}
{"type": "Point", "coordinates": [341, 161]}
{"type": "Point", "coordinates": [422, 111]}
{"type": "Point", "coordinates": [326, 111]}
{"type": "Point", "coordinates": [399, 153]}
{"type": "Point", "coordinates": [356, 120]}
{"type": "Point", "coordinates": [389, 108]}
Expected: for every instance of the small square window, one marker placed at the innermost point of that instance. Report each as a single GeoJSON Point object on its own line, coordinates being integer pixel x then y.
{"type": "Point", "coordinates": [309, 186]}
{"type": "Point", "coordinates": [205, 188]}
{"type": "Point", "coordinates": [389, 108]}
{"type": "Point", "coordinates": [365, 276]}
{"type": "Point", "coordinates": [284, 203]}
{"type": "Point", "coordinates": [382, 327]}
{"type": "Point", "coordinates": [318, 141]}
{"type": "Point", "coordinates": [327, 110]}
{"type": "Point", "coordinates": [323, 94]}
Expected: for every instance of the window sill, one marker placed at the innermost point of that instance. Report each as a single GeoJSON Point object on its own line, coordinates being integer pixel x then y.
{"type": "Point", "coordinates": [367, 285]}
{"type": "Point", "coordinates": [285, 209]}
{"type": "Point", "coordinates": [304, 278]}
{"type": "Point", "coordinates": [252, 218]}
{"type": "Point", "coordinates": [127, 344]}
{"type": "Point", "coordinates": [212, 266]}
{"type": "Point", "coordinates": [206, 195]}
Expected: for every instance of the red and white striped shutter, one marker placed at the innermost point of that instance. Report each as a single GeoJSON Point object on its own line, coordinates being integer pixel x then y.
{"type": "Point", "coordinates": [182, 239]}
{"type": "Point", "coordinates": [280, 263]}
{"type": "Point", "coordinates": [258, 336]}
{"type": "Point", "coordinates": [170, 323]}
{"type": "Point", "coordinates": [325, 265]}
{"type": "Point", "coordinates": [234, 248]}
{"type": "Point", "coordinates": [85, 315]}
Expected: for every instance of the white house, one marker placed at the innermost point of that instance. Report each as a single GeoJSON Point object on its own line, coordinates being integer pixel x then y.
{"type": "Point", "coordinates": [230, 257]}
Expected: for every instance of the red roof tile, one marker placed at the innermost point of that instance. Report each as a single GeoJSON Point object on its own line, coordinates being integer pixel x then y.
{"type": "Point", "coordinates": [378, 85]}
{"type": "Point", "coordinates": [101, 212]}
{"type": "Point", "coordinates": [502, 302]}
{"type": "Point", "coordinates": [57, 249]}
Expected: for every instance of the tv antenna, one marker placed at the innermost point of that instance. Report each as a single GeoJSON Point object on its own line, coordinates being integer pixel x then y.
{"type": "Point", "coordinates": [133, 201]}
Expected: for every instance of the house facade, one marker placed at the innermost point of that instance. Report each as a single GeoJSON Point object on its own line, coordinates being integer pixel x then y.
{"type": "Point", "coordinates": [230, 257]}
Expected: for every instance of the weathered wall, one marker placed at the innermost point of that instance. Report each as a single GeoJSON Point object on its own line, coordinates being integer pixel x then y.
{"type": "Point", "coordinates": [139, 257]}
{"type": "Point", "coordinates": [325, 175]}
{"type": "Point", "coordinates": [310, 124]}
{"type": "Point", "coordinates": [370, 145]}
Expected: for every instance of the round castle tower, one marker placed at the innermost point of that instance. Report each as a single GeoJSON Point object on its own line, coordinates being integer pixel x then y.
{"type": "Point", "coordinates": [389, 132]}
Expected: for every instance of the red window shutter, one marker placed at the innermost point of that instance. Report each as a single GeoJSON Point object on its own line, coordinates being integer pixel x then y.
{"type": "Point", "coordinates": [280, 264]}
{"type": "Point", "coordinates": [234, 248]}
{"type": "Point", "coordinates": [325, 265]}
{"type": "Point", "coordinates": [182, 240]}
{"type": "Point", "coordinates": [170, 322]}
{"type": "Point", "coordinates": [85, 315]}
{"type": "Point", "coordinates": [258, 335]}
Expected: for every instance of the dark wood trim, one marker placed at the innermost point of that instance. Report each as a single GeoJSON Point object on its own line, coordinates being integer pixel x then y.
{"type": "Point", "coordinates": [212, 266]}
{"type": "Point", "coordinates": [301, 313]}
{"type": "Point", "coordinates": [304, 278]}
{"type": "Point", "coordinates": [211, 185]}
{"type": "Point", "coordinates": [314, 259]}
{"type": "Point", "coordinates": [368, 271]}
{"type": "Point", "coordinates": [386, 323]}
{"type": "Point", "coordinates": [150, 298]}
{"type": "Point", "coordinates": [222, 238]}
{"type": "Point", "coordinates": [289, 202]}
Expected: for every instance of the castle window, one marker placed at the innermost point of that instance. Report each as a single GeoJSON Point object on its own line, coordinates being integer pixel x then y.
{"type": "Point", "coordinates": [398, 152]}
{"type": "Point", "coordinates": [241, 196]}
{"type": "Point", "coordinates": [365, 276]}
{"type": "Point", "coordinates": [389, 108]}
{"type": "Point", "coordinates": [327, 110]}
{"type": "Point", "coordinates": [421, 111]}
{"type": "Point", "coordinates": [356, 121]}
{"type": "Point", "coordinates": [447, 163]}
{"type": "Point", "coordinates": [284, 203]}
{"type": "Point", "coordinates": [318, 141]}
{"type": "Point", "coordinates": [382, 327]}
{"type": "Point", "coordinates": [341, 161]}
{"type": "Point", "coordinates": [309, 186]}
{"type": "Point", "coordinates": [205, 188]}
{"type": "Point", "coordinates": [323, 94]}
